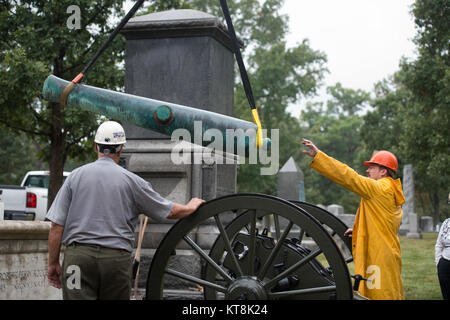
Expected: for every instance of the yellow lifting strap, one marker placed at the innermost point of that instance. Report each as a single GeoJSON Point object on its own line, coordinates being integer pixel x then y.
{"type": "Point", "coordinates": [243, 71]}
{"type": "Point", "coordinates": [259, 133]}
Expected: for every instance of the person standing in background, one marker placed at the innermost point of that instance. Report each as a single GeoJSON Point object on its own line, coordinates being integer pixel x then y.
{"type": "Point", "coordinates": [442, 258]}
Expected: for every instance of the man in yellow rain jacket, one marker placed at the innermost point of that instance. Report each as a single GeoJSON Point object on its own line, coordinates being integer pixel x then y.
{"type": "Point", "coordinates": [375, 243]}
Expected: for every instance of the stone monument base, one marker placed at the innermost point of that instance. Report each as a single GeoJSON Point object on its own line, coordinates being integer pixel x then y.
{"type": "Point", "coordinates": [24, 261]}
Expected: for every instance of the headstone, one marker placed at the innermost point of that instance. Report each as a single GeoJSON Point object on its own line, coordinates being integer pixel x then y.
{"type": "Point", "coordinates": [335, 209]}
{"type": "Point", "coordinates": [290, 187]}
{"type": "Point", "coordinates": [426, 224]}
{"type": "Point", "coordinates": [407, 206]}
{"type": "Point", "coordinates": [408, 189]}
{"type": "Point", "coordinates": [338, 211]}
{"type": "Point", "coordinates": [414, 230]}
{"type": "Point", "coordinates": [291, 182]}
{"type": "Point", "coordinates": [347, 219]}
{"type": "Point", "coordinates": [2, 207]}
{"type": "Point", "coordinates": [410, 223]}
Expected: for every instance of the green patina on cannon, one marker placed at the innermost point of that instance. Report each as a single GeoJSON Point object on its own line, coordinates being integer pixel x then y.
{"type": "Point", "coordinates": [160, 116]}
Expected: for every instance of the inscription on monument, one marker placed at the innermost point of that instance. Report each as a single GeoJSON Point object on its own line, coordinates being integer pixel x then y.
{"type": "Point", "coordinates": [24, 276]}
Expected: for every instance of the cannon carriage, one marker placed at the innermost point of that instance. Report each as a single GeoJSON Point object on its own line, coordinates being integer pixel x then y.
{"type": "Point", "coordinates": [272, 249]}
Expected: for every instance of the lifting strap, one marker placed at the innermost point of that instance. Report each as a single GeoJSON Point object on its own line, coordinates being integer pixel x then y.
{"type": "Point", "coordinates": [79, 77]}
{"type": "Point", "coordinates": [243, 71]}
{"type": "Point", "coordinates": [244, 76]}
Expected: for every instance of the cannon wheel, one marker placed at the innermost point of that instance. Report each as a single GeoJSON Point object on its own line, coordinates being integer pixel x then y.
{"type": "Point", "coordinates": [249, 207]}
{"type": "Point", "coordinates": [335, 225]}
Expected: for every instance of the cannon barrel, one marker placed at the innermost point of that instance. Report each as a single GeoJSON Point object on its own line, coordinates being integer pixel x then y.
{"type": "Point", "coordinates": [160, 116]}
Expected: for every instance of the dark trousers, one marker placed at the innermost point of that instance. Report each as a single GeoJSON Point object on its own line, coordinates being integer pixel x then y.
{"type": "Point", "coordinates": [444, 277]}
{"type": "Point", "coordinates": [94, 272]}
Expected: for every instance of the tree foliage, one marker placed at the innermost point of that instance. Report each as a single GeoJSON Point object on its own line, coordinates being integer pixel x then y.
{"type": "Point", "coordinates": [14, 153]}
{"type": "Point", "coordinates": [410, 114]}
{"type": "Point", "coordinates": [335, 128]}
{"type": "Point", "coordinates": [35, 42]}
{"type": "Point", "coordinates": [428, 80]}
{"type": "Point", "coordinates": [425, 139]}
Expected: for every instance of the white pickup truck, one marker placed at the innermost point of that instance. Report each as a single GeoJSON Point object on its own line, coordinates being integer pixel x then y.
{"type": "Point", "coordinates": [27, 201]}
{"type": "Point", "coordinates": [16, 203]}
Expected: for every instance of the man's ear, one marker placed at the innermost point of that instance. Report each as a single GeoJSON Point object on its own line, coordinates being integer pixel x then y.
{"type": "Point", "coordinates": [120, 150]}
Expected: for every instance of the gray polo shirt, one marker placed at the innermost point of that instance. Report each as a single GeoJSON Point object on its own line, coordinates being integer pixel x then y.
{"type": "Point", "coordinates": [99, 203]}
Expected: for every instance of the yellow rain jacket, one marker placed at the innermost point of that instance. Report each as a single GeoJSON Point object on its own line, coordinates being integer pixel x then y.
{"type": "Point", "coordinates": [375, 243]}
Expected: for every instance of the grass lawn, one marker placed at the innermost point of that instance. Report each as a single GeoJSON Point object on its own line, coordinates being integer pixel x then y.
{"type": "Point", "coordinates": [419, 272]}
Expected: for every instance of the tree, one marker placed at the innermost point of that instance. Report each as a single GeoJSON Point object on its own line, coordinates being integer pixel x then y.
{"type": "Point", "coordinates": [15, 158]}
{"type": "Point", "coordinates": [35, 41]}
{"type": "Point", "coordinates": [410, 109]}
{"type": "Point", "coordinates": [384, 124]}
{"type": "Point", "coordinates": [346, 101]}
{"type": "Point", "coordinates": [426, 131]}
{"type": "Point", "coordinates": [335, 129]}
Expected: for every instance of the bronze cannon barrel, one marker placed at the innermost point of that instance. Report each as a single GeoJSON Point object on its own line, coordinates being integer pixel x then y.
{"type": "Point", "coordinates": [160, 116]}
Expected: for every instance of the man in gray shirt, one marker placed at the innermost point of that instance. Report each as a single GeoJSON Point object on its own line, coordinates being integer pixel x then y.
{"type": "Point", "coordinates": [95, 214]}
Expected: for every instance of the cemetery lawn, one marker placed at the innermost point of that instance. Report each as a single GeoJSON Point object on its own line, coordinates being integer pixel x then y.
{"type": "Point", "coordinates": [419, 272]}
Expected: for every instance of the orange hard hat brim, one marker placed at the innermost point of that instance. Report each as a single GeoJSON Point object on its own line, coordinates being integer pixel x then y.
{"type": "Point", "coordinates": [368, 164]}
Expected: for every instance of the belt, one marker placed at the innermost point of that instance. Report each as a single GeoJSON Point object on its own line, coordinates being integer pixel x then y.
{"type": "Point", "coordinates": [94, 246]}
{"type": "Point", "coordinates": [78, 244]}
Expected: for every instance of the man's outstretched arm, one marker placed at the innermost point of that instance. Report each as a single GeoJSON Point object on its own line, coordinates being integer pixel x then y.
{"type": "Point", "coordinates": [54, 248]}
{"type": "Point", "coordinates": [180, 211]}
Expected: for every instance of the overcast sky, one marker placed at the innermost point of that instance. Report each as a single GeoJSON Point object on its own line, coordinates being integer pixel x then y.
{"type": "Point", "coordinates": [364, 40]}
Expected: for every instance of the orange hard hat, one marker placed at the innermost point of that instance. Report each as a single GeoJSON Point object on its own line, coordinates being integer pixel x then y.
{"type": "Point", "coordinates": [383, 158]}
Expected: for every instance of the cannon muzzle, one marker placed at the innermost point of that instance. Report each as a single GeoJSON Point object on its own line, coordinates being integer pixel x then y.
{"type": "Point", "coordinates": [163, 117]}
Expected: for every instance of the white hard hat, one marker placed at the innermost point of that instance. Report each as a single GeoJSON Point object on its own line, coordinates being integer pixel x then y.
{"type": "Point", "coordinates": [110, 133]}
